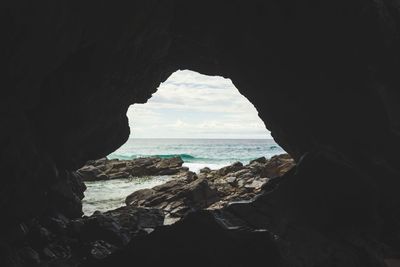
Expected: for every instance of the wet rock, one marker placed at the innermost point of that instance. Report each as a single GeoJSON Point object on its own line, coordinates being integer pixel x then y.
{"type": "Point", "coordinates": [241, 172]}
{"type": "Point", "coordinates": [205, 170]}
{"type": "Point", "coordinates": [138, 198]}
{"type": "Point", "coordinates": [277, 166]}
{"type": "Point", "coordinates": [117, 175]}
{"type": "Point", "coordinates": [258, 160]}
{"type": "Point", "coordinates": [176, 197]}
{"type": "Point", "coordinates": [255, 185]}
{"type": "Point", "coordinates": [169, 163]}
{"type": "Point", "coordinates": [210, 189]}
{"type": "Point", "coordinates": [231, 168]}
{"type": "Point", "coordinates": [241, 183]}
{"type": "Point", "coordinates": [105, 169]}
{"type": "Point", "coordinates": [231, 180]}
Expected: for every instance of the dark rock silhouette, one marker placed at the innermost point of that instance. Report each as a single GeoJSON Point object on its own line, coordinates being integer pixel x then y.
{"type": "Point", "coordinates": [322, 75]}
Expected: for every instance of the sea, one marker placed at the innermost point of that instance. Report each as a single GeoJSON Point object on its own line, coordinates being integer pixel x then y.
{"type": "Point", "coordinates": [196, 154]}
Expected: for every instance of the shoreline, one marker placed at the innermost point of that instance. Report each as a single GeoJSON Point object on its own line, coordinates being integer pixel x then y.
{"type": "Point", "coordinates": [110, 182]}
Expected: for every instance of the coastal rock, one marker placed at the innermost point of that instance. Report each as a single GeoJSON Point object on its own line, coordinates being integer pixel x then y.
{"type": "Point", "coordinates": [105, 169]}
{"type": "Point", "coordinates": [205, 170]}
{"type": "Point", "coordinates": [231, 180]}
{"type": "Point", "coordinates": [259, 160]}
{"type": "Point", "coordinates": [92, 239]}
{"type": "Point", "coordinates": [277, 166]}
{"type": "Point", "coordinates": [210, 189]}
{"type": "Point", "coordinates": [323, 75]}
{"type": "Point", "coordinates": [137, 218]}
{"type": "Point", "coordinates": [115, 227]}
{"type": "Point", "coordinates": [87, 239]}
{"type": "Point", "coordinates": [176, 197]}
{"type": "Point", "coordinates": [103, 227]}
{"type": "Point", "coordinates": [231, 168]}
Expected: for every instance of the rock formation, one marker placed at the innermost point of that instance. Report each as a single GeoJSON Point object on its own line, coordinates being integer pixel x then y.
{"type": "Point", "coordinates": [59, 241]}
{"type": "Point", "coordinates": [105, 169]}
{"type": "Point", "coordinates": [211, 189]}
{"type": "Point", "coordinates": [323, 76]}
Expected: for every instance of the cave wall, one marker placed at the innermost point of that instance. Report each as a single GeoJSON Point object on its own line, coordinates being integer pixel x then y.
{"type": "Point", "coordinates": [63, 62]}
{"type": "Point", "coordinates": [323, 77]}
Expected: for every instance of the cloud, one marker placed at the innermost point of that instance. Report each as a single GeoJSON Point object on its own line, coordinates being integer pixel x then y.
{"type": "Point", "coordinates": [192, 105]}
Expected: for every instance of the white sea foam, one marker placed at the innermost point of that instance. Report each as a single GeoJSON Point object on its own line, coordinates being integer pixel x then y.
{"type": "Point", "coordinates": [107, 195]}
{"type": "Point", "coordinates": [196, 154]}
{"type": "Point", "coordinates": [195, 167]}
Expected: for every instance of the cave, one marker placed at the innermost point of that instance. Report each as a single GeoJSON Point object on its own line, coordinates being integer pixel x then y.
{"type": "Point", "coordinates": [322, 75]}
{"type": "Point", "coordinates": [203, 120]}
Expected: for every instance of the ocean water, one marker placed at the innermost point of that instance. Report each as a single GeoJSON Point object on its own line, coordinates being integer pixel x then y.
{"type": "Point", "coordinates": [107, 195]}
{"type": "Point", "coordinates": [196, 154]}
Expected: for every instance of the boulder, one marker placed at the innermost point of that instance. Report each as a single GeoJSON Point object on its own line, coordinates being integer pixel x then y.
{"type": "Point", "coordinates": [138, 198]}
{"type": "Point", "coordinates": [258, 160]}
{"type": "Point", "coordinates": [277, 166]}
{"type": "Point", "coordinates": [205, 170]}
{"type": "Point", "coordinates": [176, 197]}
{"type": "Point", "coordinates": [231, 180]}
{"type": "Point", "coordinates": [231, 168]}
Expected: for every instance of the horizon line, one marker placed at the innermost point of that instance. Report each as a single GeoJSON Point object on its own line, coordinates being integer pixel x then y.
{"type": "Point", "coordinates": [201, 138]}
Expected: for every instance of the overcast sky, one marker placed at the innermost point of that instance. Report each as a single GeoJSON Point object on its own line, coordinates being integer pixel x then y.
{"type": "Point", "coordinates": [192, 105]}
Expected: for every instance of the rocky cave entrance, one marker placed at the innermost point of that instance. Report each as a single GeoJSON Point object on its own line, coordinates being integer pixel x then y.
{"type": "Point", "coordinates": [193, 126]}
{"type": "Point", "coordinates": [329, 69]}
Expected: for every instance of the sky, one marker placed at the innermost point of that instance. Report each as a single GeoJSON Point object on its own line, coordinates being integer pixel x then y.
{"type": "Point", "coordinates": [192, 105]}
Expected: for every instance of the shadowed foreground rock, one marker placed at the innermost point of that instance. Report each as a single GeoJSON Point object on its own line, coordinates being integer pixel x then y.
{"type": "Point", "coordinates": [59, 241]}
{"type": "Point", "coordinates": [275, 225]}
{"type": "Point", "coordinates": [199, 240]}
{"type": "Point", "coordinates": [323, 76]}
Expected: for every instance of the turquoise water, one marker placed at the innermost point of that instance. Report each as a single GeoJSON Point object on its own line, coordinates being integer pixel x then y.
{"type": "Point", "coordinates": [197, 153]}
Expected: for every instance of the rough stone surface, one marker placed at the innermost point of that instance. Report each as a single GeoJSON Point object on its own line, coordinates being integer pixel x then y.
{"type": "Point", "coordinates": [58, 241]}
{"type": "Point", "coordinates": [210, 189]}
{"type": "Point", "coordinates": [177, 197]}
{"type": "Point", "coordinates": [214, 245]}
{"type": "Point", "coordinates": [105, 169]}
{"type": "Point", "coordinates": [323, 76]}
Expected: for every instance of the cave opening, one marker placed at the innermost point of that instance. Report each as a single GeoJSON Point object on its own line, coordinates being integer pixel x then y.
{"type": "Point", "coordinates": [194, 125]}
{"type": "Point", "coordinates": [323, 77]}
